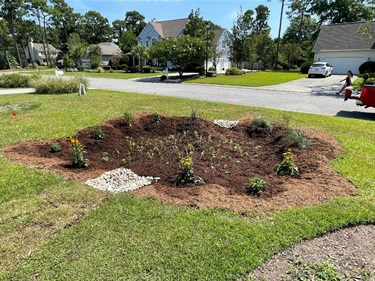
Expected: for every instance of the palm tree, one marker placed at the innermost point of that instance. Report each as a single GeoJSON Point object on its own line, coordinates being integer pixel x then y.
{"type": "Point", "coordinates": [139, 52]}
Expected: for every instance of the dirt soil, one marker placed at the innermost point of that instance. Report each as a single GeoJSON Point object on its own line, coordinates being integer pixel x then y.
{"type": "Point", "coordinates": [225, 158]}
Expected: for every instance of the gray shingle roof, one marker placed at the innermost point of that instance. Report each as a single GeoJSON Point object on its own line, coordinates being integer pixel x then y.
{"type": "Point", "coordinates": [39, 47]}
{"type": "Point", "coordinates": [169, 28]}
{"type": "Point", "coordinates": [109, 48]}
{"type": "Point", "coordinates": [343, 36]}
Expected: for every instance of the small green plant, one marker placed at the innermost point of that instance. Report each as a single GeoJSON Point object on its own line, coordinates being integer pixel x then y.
{"type": "Point", "coordinates": [157, 118]}
{"type": "Point", "coordinates": [105, 156]}
{"type": "Point", "coordinates": [287, 167]}
{"type": "Point", "coordinates": [77, 159]}
{"type": "Point", "coordinates": [98, 133]}
{"type": "Point", "coordinates": [256, 185]}
{"type": "Point", "coordinates": [186, 174]}
{"type": "Point", "coordinates": [294, 138]}
{"type": "Point", "coordinates": [128, 118]}
{"type": "Point", "coordinates": [322, 271]}
{"type": "Point", "coordinates": [194, 114]}
{"type": "Point", "coordinates": [55, 147]}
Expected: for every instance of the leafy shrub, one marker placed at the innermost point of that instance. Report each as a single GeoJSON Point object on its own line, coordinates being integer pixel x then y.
{"type": "Point", "coordinates": [15, 80]}
{"type": "Point", "coordinates": [80, 68]}
{"type": "Point", "coordinates": [305, 66]}
{"type": "Point", "coordinates": [148, 69]}
{"type": "Point", "coordinates": [211, 74]}
{"type": "Point", "coordinates": [134, 68]}
{"type": "Point", "coordinates": [256, 185]}
{"type": "Point", "coordinates": [124, 67]}
{"type": "Point", "coordinates": [233, 71]}
{"type": "Point", "coordinates": [368, 66]}
{"type": "Point", "coordinates": [100, 69]}
{"type": "Point", "coordinates": [200, 69]}
{"type": "Point", "coordinates": [58, 85]}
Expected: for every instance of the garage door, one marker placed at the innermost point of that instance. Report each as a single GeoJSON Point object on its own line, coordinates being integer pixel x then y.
{"type": "Point", "coordinates": [342, 65]}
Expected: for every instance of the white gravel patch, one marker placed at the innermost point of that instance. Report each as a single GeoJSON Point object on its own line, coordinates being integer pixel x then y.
{"type": "Point", "coordinates": [226, 123]}
{"type": "Point", "coordinates": [120, 180]}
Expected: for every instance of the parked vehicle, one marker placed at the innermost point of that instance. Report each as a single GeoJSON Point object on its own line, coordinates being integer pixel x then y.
{"type": "Point", "coordinates": [320, 68]}
{"type": "Point", "coordinates": [366, 97]}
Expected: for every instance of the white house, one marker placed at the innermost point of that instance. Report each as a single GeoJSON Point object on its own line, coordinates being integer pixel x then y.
{"type": "Point", "coordinates": [344, 47]}
{"type": "Point", "coordinates": [159, 30]}
{"type": "Point", "coordinates": [36, 53]}
{"type": "Point", "coordinates": [221, 41]}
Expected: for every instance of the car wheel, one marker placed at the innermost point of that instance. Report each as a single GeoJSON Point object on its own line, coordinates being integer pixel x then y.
{"type": "Point", "coordinates": [309, 75]}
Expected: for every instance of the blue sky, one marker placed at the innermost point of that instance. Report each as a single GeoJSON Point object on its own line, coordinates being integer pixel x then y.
{"type": "Point", "coordinates": [221, 12]}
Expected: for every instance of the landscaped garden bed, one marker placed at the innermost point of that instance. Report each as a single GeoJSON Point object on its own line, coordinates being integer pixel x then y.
{"type": "Point", "coordinates": [225, 160]}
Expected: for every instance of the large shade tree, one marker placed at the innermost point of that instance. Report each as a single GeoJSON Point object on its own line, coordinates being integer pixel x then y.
{"type": "Point", "coordinates": [12, 12]}
{"type": "Point", "coordinates": [95, 28]}
{"type": "Point", "coordinates": [134, 21]}
{"type": "Point", "coordinates": [181, 52]}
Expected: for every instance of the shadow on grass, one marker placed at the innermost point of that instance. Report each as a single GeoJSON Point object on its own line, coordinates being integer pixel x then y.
{"type": "Point", "coordinates": [357, 115]}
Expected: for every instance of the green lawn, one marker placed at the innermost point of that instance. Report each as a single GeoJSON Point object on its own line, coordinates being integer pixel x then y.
{"type": "Point", "coordinates": [251, 79]}
{"type": "Point", "coordinates": [52, 228]}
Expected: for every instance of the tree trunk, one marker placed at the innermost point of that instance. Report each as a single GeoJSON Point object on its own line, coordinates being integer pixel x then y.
{"type": "Point", "coordinates": [14, 37]}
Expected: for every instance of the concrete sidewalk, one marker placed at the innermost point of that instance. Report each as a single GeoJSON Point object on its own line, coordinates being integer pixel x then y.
{"type": "Point", "coordinates": [17, 91]}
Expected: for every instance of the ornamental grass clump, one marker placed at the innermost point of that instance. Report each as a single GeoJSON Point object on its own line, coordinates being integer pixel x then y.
{"type": "Point", "coordinates": [186, 174]}
{"type": "Point", "coordinates": [58, 85]}
{"type": "Point", "coordinates": [77, 159]}
{"type": "Point", "coordinates": [287, 167]}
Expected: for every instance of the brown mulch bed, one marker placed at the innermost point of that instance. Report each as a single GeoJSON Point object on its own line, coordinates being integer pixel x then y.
{"type": "Point", "coordinates": [224, 158]}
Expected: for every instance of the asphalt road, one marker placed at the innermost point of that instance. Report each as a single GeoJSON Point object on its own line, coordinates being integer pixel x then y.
{"type": "Point", "coordinates": [308, 95]}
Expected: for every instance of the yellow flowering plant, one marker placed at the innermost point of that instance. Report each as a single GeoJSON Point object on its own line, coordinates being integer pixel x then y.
{"type": "Point", "coordinates": [287, 167]}
{"type": "Point", "coordinates": [186, 174]}
{"type": "Point", "coordinates": [77, 159]}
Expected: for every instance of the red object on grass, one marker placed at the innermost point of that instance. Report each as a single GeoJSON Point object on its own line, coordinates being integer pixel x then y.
{"type": "Point", "coordinates": [14, 114]}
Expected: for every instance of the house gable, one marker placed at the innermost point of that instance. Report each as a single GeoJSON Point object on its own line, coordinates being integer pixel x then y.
{"type": "Point", "coordinates": [344, 47]}
{"type": "Point", "coordinates": [156, 30]}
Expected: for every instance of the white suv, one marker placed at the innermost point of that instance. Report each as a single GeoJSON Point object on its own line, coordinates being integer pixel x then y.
{"type": "Point", "coordinates": [320, 68]}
